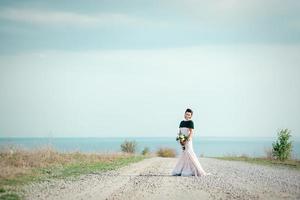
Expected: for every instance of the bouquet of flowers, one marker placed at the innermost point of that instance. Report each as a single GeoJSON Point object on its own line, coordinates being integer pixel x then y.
{"type": "Point", "coordinates": [182, 138]}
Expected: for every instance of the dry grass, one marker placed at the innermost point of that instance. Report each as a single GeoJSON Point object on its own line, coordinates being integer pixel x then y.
{"type": "Point", "coordinates": [268, 153]}
{"type": "Point", "coordinates": [166, 152]}
{"type": "Point", "coordinates": [17, 161]}
{"type": "Point", "coordinates": [19, 166]}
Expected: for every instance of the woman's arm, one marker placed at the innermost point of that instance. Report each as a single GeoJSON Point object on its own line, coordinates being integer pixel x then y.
{"type": "Point", "coordinates": [191, 132]}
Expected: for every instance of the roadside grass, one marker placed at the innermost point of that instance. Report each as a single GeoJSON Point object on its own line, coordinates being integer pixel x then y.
{"type": "Point", "coordinates": [22, 166]}
{"type": "Point", "coordinates": [290, 163]}
{"type": "Point", "coordinates": [166, 152]}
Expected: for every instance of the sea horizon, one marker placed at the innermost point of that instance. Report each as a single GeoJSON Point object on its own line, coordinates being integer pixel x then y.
{"type": "Point", "coordinates": [210, 146]}
{"type": "Point", "coordinates": [195, 136]}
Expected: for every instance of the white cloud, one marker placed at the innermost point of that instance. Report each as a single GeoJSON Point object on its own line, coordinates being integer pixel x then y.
{"type": "Point", "coordinates": [42, 17]}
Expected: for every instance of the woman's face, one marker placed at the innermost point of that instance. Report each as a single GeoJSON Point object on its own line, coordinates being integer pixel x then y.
{"type": "Point", "coordinates": [187, 115]}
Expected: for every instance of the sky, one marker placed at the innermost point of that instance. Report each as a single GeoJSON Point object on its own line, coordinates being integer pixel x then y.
{"type": "Point", "coordinates": [131, 68]}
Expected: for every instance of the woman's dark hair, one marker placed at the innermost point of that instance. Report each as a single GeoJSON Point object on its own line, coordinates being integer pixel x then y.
{"type": "Point", "coordinates": [189, 110]}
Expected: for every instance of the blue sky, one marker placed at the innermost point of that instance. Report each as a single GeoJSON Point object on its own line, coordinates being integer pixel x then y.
{"type": "Point", "coordinates": [131, 68]}
{"type": "Point", "coordinates": [85, 25]}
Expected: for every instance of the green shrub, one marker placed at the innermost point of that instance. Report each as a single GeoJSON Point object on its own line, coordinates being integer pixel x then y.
{"type": "Point", "coordinates": [145, 151]}
{"type": "Point", "coordinates": [282, 147]}
{"type": "Point", "coordinates": [166, 152]}
{"type": "Point", "coordinates": [129, 146]}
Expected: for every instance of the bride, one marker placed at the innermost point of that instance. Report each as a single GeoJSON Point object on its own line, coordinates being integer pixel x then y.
{"type": "Point", "coordinates": [188, 164]}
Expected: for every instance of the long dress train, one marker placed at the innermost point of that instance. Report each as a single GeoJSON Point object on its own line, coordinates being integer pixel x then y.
{"type": "Point", "coordinates": [188, 163]}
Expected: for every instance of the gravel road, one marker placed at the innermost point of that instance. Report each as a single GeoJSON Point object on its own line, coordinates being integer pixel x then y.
{"type": "Point", "coordinates": [151, 179]}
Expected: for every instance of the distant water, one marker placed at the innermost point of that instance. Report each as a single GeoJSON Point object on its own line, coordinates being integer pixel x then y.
{"type": "Point", "coordinates": [207, 146]}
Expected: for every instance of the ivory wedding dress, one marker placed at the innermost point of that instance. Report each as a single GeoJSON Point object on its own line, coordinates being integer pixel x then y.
{"type": "Point", "coordinates": [188, 163]}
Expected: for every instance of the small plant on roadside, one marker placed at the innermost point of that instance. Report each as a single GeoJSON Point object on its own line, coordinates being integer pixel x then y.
{"type": "Point", "coordinates": [129, 146]}
{"type": "Point", "coordinates": [166, 152]}
{"type": "Point", "coordinates": [282, 148]}
{"type": "Point", "coordinates": [145, 151]}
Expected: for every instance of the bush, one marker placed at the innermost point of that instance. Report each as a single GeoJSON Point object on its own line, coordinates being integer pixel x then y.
{"type": "Point", "coordinates": [145, 151]}
{"type": "Point", "coordinates": [166, 152]}
{"type": "Point", "coordinates": [282, 147]}
{"type": "Point", "coordinates": [129, 146]}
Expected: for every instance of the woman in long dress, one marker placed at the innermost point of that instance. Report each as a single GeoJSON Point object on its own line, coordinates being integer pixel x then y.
{"type": "Point", "coordinates": [188, 163]}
